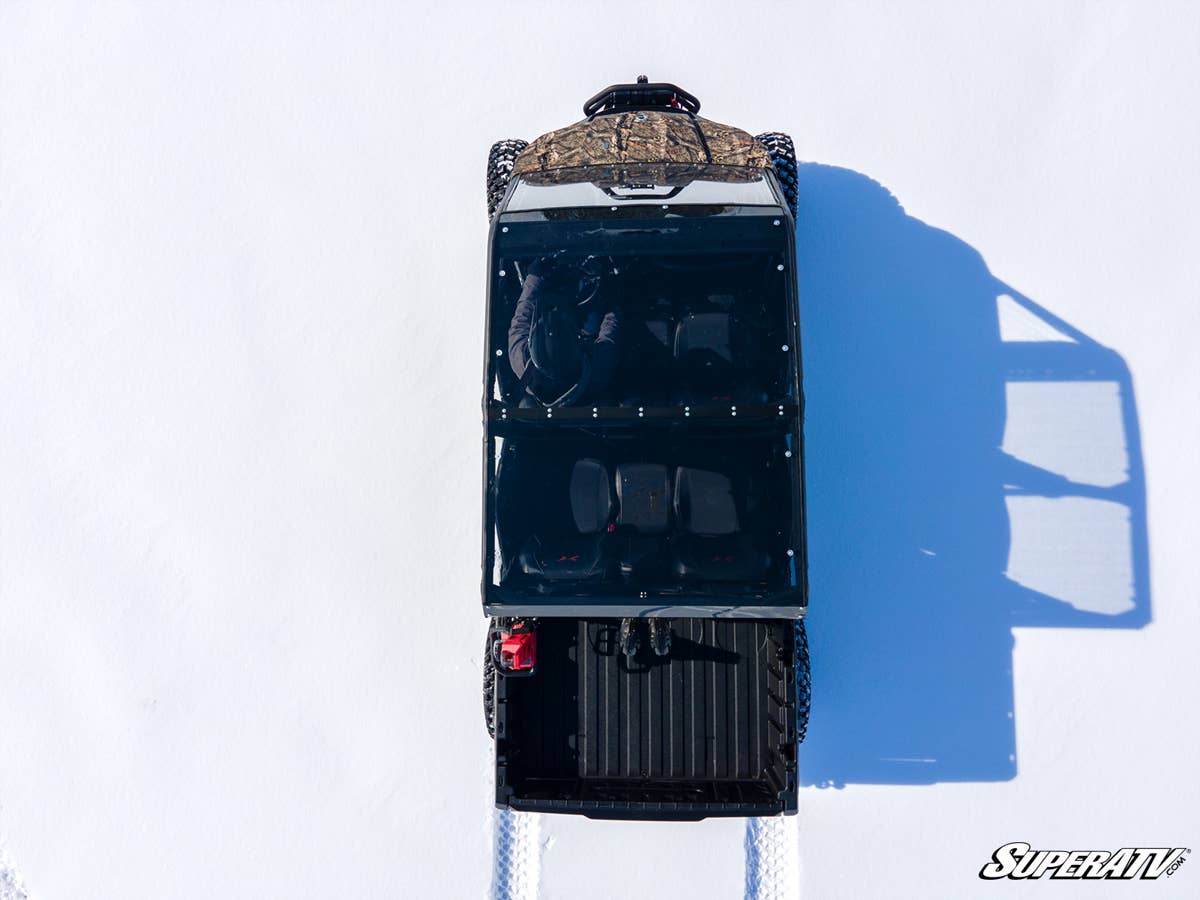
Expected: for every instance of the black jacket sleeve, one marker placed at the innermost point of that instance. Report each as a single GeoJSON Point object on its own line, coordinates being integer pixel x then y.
{"type": "Point", "coordinates": [522, 323]}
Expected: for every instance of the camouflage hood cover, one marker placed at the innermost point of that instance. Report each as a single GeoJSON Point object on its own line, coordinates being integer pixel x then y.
{"type": "Point", "coordinates": [644, 173]}
{"type": "Point", "coordinates": [642, 137]}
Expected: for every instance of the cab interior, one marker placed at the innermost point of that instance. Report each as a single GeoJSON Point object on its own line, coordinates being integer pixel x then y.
{"type": "Point", "coordinates": [694, 329]}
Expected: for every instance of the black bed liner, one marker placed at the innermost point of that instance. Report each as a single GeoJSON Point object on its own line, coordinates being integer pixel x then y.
{"type": "Point", "coordinates": [709, 731]}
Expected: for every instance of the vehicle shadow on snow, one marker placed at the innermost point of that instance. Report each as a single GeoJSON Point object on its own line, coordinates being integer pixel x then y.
{"type": "Point", "coordinates": [973, 464]}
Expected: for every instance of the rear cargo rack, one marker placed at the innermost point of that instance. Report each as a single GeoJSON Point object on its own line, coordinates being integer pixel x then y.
{"type": "Point", "coordinates": [708, 731]}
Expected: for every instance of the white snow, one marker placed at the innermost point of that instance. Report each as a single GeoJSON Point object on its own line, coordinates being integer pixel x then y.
{"type": "Point", "coordinates": [241, 281]}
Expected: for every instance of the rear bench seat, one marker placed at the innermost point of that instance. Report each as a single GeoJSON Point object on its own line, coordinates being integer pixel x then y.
{"type": "Point", "coordinates": [696, 507]}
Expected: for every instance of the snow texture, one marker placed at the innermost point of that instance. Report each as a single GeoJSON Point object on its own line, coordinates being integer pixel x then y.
{"type": "Point", "coordinates": [242, 261]}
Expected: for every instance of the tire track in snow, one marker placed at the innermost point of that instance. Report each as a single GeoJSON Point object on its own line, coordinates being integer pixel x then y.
{"type": "Point", "coordinates": [11, 886]}
{"type": "Point", "coordinates": [773, 858]}
{"type": "Point", "coordinates": [516, 855]}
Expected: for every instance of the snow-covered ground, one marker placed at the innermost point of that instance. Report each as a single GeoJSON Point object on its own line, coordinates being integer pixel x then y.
{"type": "Point", "coordinates": [241, 280]}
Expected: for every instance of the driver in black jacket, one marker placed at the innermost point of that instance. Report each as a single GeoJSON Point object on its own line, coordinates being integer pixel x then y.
{"type": "Point", "coordinates": [563, 340]}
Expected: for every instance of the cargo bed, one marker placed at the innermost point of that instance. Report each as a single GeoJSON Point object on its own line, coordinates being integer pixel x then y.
{"type": "Point", "coordinates": [708, 731]}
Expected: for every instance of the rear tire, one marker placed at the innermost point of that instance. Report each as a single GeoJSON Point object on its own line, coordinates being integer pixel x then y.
{"type": "Point", "coordinates": [489, 681]}
{"type": "Point", "coordinates": [783, 158]}
{"type": "Point", "coordinates": [499, 170]}
{"type": "Point", "coordinates": [803, 682]}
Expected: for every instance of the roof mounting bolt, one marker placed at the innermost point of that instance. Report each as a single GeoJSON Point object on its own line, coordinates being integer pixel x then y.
{"type": "Point", "coordinates": [666, 206]}
{"type": "Point", "coordinates": [595, 414]}
{"type": "Point", "coordinates": [613, 208]}
{"type": "Point", "coordinates": [734, 408]}
{"type": "Point", "coordinates": [780, 267]}
{"type": "Point", "coordinates": [787, 453]}
{"type": "Point", "coordinates": [791, 552]}
{"type": "Point", "coordinates": [785, 348]}
{"type": "Point", "coordinates": [686, 412]}
{"type": "Point", "coordinates": [502, 273]}
{"type": "Point", "coordinates": [499, 352]}
{"type": "Point", "coordinates": [595, 409]}
{"type": "Point", "coordinates": [641, 409]}
{"type": "Point", "coordinates": [549, 414]}
{"type": "Point", "coordinates": [776, 222]}
{"type": "Point", "coordinates": [504, 230]}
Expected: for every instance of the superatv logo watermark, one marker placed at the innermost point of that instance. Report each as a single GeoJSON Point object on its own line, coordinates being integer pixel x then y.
{"type": "Point", "coordinates": [1018, 860]}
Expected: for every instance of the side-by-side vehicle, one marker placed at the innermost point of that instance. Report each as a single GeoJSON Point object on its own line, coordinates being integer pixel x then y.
{"type": "Point", "coordinates": [644, 568]}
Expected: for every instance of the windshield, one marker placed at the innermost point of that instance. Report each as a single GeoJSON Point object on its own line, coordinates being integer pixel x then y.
{"type": "Point", "coordinates": [642, 185]}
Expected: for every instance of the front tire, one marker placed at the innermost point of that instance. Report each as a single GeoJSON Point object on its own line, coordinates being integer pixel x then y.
{"type": "Point", "coordinates": [499, 170]}
{"type": "Point", "coordinates": [783, 158]}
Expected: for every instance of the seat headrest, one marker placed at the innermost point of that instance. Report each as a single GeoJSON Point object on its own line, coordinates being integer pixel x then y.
{"type": "Point", "coordinates": [644, 491]}
{"type": "Point", "coordinates": [704, 502]}
{"type": "Point", "coordinates": [591, 496]}
{"type": "Point", "coordinates": [707, 336]}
